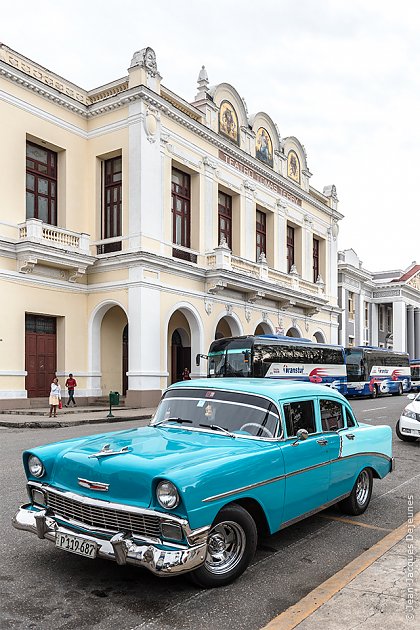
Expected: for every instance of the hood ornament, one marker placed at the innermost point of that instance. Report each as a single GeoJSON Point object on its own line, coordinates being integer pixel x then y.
{"type": "Point", "coordinates": [106, 451]}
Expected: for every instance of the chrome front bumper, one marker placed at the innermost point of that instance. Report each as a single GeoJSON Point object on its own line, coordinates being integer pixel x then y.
{"type": "Point", "coordinates": [171, 560]}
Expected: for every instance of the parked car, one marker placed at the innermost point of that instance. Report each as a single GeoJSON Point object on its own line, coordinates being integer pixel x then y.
{"type": "Point", "coordinates": [408, 426]}
{"type": "Point", "coordinates": [221, 463]}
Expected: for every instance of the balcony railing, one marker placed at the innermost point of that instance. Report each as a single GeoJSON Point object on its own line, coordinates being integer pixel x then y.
{"type": "Point", "coordinates": [36, 231]}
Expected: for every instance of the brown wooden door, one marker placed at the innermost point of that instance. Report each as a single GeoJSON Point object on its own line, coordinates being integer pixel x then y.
{"type": "Point", "coordinates": [40, 355]}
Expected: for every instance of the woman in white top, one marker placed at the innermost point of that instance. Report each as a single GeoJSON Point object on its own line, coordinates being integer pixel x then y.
{"type": "Point", "coordinates": [55, 397]}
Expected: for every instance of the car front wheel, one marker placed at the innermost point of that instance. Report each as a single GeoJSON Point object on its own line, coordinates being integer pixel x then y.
{"type": "Point", "coordinates": [402, 436]}
{"type": "Point", "coordinates": [230, 548]}
{"type": "Point", "coordinates": [359, 498]}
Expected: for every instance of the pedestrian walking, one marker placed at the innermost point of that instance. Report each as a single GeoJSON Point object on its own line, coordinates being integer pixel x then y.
{"type": "Point", "coordinates": [55, 397]}
{"type": "Point", "coordinates": [71, 384]}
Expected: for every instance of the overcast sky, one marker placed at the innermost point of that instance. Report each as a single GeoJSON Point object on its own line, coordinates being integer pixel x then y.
{"type": "Point", "coordinates": [343, 76]}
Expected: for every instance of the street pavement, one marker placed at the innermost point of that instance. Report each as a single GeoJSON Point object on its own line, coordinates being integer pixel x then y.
{"type": "Point", "coordinates": [377, 588]}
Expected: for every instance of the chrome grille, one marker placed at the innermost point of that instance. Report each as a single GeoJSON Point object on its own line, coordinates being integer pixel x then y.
{"type": "Point", "coordinates": [104, 517]}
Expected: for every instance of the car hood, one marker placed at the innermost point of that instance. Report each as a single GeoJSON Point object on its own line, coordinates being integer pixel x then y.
{"type": "Point", "coordinates": [150, 454]}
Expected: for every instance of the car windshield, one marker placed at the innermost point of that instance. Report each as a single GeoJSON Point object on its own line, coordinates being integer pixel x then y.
{"type": "Point", "coordinates": [219, 411]}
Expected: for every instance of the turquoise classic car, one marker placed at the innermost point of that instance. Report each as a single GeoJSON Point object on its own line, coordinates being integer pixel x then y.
{"type": "Point", "coordinates": [221, 463]}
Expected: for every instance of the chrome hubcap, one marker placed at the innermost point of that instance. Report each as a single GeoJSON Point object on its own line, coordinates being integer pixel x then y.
{"type": "Point", "coordinates": [362, 488]}
{"type": "Point", "coordinates": [225, 547]}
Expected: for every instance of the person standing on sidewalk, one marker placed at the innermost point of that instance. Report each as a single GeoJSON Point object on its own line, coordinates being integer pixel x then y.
{"type": "Point", "coordinates": [55, 397]}
{"type": "Point", "coordinates": [71, 384]}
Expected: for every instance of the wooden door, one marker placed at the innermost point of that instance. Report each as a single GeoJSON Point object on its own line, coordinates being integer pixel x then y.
{"type": "Point", "coordinates": [40, 355]}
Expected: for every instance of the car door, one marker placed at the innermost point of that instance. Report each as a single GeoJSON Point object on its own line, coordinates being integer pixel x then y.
{"type": "Point", "coordinates": [344, 465]}
{"type": "Point", "coordinates": [306, 461]}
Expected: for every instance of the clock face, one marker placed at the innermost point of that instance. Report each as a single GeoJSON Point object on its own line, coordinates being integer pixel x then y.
{"type": "Point", "coordinates": [293, 166]}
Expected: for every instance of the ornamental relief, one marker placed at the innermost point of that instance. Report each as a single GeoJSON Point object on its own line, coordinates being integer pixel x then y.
{"type": "Point", "coordinates": [414, 282]}
{"type": "Point", "coordinates": [228, 122]}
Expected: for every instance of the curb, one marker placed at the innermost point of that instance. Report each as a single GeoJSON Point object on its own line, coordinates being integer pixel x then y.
{"type": "Point", "coordinates": [46, 424]}
{"type": "Point", "coordinates": [300, 611]}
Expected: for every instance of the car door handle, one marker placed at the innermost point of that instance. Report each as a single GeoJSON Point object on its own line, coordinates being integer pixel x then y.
{"type": "Point", "coordinates": [350, 436]}
{"type": "Point", "coordinates": [322, 442]}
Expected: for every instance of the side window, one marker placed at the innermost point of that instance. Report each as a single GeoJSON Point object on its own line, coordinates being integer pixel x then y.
{"type": "Point", "coordinates": [350, 419]}
{"type": "Point", "coordinates": [299, 415]}
{"type": "Point", "coordinates": [331, 415]}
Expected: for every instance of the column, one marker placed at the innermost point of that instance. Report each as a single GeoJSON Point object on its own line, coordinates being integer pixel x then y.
{"type": "Point", "coordinates": [210, 206]}
{"type": "Point", "coordinates": [373, 333]}
{"type": "Point", "coordinates": [343, 331]}
{"type": "Point", "coordinates": [145, 186]}
{"type": "Point", "coordinates": [331, 280]}
{"type": "Point", "coordinates": [399, 325]}
{"type": "Point", "coordinates": [410, 331]}
{"type": "Point", "coordinates": [249, 227]}
{"type": "Point", "coordinates": [280, 254]}
{"type": "Point", "coordinates": [144, 343]}
{"type": "Point", "coordinates": [361, 315]}
{"type": "Point", "coordinates": [307, 248]}
{"type": "Point", "coordinates": [417, 333]}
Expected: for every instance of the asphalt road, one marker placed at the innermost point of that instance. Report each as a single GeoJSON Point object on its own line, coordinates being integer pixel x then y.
{"type": "Point", "coordinates": [42, 587]}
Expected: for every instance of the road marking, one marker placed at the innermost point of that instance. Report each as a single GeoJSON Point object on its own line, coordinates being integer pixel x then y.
{"type": "Point", "coordinates": [373, 409]}
{"type": "Point", "coordinates": [396, 488]}
{"type": "Point", "coordinates": [294, 615]}
{"type": "Point", "coordinates": [350, 521]}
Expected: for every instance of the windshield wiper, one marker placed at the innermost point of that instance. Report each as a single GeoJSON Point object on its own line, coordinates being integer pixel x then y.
{"type": "Point", "coordinates": [179, 420]}
{"type": "Point", "coordinates": [216, 427]}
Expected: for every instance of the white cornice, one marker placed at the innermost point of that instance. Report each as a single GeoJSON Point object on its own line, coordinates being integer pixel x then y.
{"type": "Point", "coordinates": [124, 98]}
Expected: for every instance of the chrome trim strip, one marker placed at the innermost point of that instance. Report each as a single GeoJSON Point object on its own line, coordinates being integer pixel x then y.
{"type": "Point", "coordinates": [314, 511]}
{"type": "Point", "coordinates": [287, 475]}
{"type": "Point", "coordinates": [243, 489]}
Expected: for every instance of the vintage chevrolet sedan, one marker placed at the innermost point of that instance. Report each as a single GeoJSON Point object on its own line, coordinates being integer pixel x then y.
{"type": "Point", "coordinates": [221, 463]}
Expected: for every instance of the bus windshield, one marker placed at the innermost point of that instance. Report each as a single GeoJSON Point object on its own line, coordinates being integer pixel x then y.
{"type": "Point", "coordinates": [230, 357]}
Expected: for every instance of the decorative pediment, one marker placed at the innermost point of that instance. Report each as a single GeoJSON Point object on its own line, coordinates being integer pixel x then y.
{"type": "Point", "coordinates": [295, 153]}
{"type": "Point", "coordinates": [415, 282]}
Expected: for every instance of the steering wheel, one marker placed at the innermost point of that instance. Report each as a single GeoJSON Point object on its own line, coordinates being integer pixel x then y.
{"type": "Point", "coordinates": [258, 426]}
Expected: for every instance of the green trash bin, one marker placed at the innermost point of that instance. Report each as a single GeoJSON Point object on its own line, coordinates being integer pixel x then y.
{"type": "Point", "coordinates": [114, 399]}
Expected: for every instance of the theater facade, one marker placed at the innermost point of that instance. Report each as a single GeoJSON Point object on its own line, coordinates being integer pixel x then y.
{"type": "Point", "coordinates": [136, 227]}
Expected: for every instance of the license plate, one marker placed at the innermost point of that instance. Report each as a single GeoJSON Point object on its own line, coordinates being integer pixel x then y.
{"type": "Point", "coordinates": [75, 544]}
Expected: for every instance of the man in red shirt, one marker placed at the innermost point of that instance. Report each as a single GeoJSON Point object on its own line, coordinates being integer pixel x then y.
{"type": "Point", "coordinates": [71, 384]}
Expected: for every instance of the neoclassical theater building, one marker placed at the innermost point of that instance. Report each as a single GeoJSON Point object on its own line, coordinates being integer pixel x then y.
{"type": "Point", "coordinates": [137, 227]}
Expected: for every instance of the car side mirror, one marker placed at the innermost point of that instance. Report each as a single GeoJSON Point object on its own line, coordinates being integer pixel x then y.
{"type": "Point", "coordinates": [411, 396]}
{"type": "Point", "coordinates": [301, 435]}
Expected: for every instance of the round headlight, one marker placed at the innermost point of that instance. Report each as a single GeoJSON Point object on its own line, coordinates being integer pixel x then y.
{"type": "Point", "coordinates": [36, 467]}
{"type": "Point", "coordinates": [167, 495]}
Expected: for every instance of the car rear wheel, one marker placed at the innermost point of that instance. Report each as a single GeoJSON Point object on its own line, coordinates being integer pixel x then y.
{"type": "Point", "coordinates": [374, 392]}
{"type": "Point", "coordinates": [402, 436]}
{"type": "Point", "coordinates": [230, 548]}
{"type": "Point", "coordinates": [359, 498]}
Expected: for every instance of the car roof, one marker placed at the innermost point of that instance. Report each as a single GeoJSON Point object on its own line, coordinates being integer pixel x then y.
{"type": "Point", "coordinates": [273, 388]}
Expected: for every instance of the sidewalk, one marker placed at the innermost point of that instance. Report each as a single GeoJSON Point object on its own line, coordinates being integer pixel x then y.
{"type": "Point", "coordinates": [379, 589]}
{"type": "Point", "coordinates": [72, 416]}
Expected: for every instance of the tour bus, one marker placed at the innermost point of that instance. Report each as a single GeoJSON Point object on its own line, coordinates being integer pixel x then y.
{"type": "Point", "coordinates": [278, 356]}
{"type": "Point", "coordinates": [373, 371]}
{"type": "Point", "coordinates": [415, 374]}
